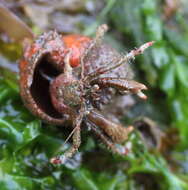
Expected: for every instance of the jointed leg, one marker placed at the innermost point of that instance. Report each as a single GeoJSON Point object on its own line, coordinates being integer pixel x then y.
{"type": "Point", "coordinates": [118, 62]}
{"type": "Point", "coordinates": [97, 40]}
{"type": "Point", "coordinates": [121, 150]}
{"type": "Point", "coordinates": [73, 149]}
{"type": "Point", "coordinates": [122, 84]}
{"type": "Point", "coordinates": [116, 132]}
{"type": "Point", "coordinates": [76, 142]}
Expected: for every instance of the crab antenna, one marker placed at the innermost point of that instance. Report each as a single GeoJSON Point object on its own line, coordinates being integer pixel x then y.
{"type": "Point", "coordinates": [67, 68]}
{"type": "Point", "coordinates": [77, 122]}
{"type": "Point", "coordinates": [98, 38]}
{"type": "Point", "coordinates": [72, 132]}
{"type": "Point", "coordinates": [120, 61]}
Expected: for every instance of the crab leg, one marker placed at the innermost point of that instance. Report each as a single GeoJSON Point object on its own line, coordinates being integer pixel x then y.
{"type": "Point", "coordinates": [116, 132]}
{"type": "Point", "coordinates": [121, 150]}
{"type": "Point", "coordinates": [97, 40]}
{"type": "Point", "coordinates": [122, 84]}
{"type": "Point", "coordinates": [117, 63]}
{"type": "Point", "coordinates": [61, 159]}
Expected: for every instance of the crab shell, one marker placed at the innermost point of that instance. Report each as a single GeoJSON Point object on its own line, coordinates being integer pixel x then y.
{"type": "Point", "coordinates": [45, 57]}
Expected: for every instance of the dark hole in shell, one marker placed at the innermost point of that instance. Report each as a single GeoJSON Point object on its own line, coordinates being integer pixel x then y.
{"type": "Point", "coordinates": [44, 73]}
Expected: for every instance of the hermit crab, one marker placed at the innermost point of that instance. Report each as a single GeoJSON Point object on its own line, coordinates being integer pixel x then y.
{"type": "Point", "coordinates": [67, 80]}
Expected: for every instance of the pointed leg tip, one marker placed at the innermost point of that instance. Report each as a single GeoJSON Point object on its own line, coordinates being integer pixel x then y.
{"type": "Point", "coordinates": [104, 27]}
{"type": "Point", "coordinates": [58, 160]}
{"type": "Point", "coordinates": [130, 128]}
{"type": "Point", "coordinates": [150, 43]}
{"type": "Point", "coordinates": [145, 98]}
{"type": "Point", "coordinates": [55, 161]}
{"type": "Point", "coordinates": [124, 151]}
{"type": "Point", "coordinates": [144, 87]}
{"type": "Point", "coordinates": [141, 95]}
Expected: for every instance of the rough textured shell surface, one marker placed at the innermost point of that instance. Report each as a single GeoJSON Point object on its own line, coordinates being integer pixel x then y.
{"type": "Point", "coordinates": [35, 89]}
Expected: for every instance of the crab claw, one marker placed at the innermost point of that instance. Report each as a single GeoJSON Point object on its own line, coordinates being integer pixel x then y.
{"type": "Point", "coordinates": [123, 84]}
{"type": "Point", "coordinates": [136, 88]}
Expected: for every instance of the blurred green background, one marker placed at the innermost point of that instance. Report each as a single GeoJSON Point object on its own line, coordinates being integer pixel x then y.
{"type": "Point", "coordinates": [159, 156]}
